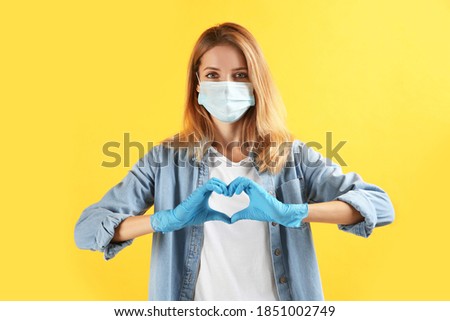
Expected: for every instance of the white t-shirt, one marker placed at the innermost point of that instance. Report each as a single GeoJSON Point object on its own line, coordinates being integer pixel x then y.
{"type": "Point", "coordinates": [235, 260]}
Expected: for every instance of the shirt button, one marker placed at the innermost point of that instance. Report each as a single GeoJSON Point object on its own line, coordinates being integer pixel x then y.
{"type": "Point", "coordinates": [274, 224]}
{"type": "Point", "coordinates": [283, 280]}
{"type": "Point", "coordinates": [277, 252]}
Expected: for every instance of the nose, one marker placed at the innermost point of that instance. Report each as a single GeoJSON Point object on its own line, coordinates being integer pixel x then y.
{"type": "Point", "coordinates": [229, 77]}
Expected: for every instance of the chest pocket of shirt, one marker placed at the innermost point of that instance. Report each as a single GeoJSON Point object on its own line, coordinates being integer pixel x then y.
{"type": "Point", "coordinates": [292, 192]}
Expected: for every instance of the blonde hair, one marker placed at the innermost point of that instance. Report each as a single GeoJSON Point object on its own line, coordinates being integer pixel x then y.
{"type": "Point", "coordinates": [264, 127]}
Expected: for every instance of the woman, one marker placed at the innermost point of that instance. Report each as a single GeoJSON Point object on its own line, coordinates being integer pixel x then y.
{"type": "Point", "coordinates": [234, 193]}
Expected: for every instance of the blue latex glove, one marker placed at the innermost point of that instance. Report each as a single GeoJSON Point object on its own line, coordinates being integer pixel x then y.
{"type": "Point", "coordinates": [194, 210]}
{"type": "Point", "coordinates": [265, 207]}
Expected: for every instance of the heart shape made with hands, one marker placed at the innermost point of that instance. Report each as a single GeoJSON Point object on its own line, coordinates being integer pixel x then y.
{"type": "Point", "coordinates": [229, 204]}
{"type": "Point", "coordinates": [241, 199]}
{"type": "Point", "coordinates": [262, 206]}
{"type": "Point", "coordinates": [196, 210]}
{"type": "Point", "coordinates": [255, 204]}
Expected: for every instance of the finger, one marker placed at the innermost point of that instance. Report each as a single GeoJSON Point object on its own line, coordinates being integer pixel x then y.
{"type": "Point", "coordinates": [214, 215]}
{"type": "Point", "coordinates": [220, 183]}
{"type": "Point", "coordinates": [241, 215]}
{"type": "Point", "coordinates": [235, 183]}
{"type": "Point", "coordinates": [222, 186]}
{"type": "Point", "coordinates": [243, 186]}
{"type": "Point", "coordinates": [212, 186]}
{"type": "Point", "coordinates": [216, 180]}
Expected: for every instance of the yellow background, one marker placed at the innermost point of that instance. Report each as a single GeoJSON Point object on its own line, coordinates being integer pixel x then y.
{"type": "Point", "coordinates": [77, 74]}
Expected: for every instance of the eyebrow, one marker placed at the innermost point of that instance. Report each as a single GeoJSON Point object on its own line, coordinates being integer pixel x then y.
{"type": "Point", "coordinates": [214, 68]}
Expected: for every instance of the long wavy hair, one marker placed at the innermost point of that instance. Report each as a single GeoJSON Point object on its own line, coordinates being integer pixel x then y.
{"type": "Point", "coordinates": [264, 127]}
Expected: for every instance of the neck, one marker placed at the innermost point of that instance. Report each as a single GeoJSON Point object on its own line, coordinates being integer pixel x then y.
{"type": "Point", "coordinates": [228, 138]}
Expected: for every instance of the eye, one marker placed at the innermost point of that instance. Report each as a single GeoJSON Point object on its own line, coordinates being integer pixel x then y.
{"type": "Point", "coordinates": [212, 75]}
{"type": "Point", "coordinates": [241, 75]}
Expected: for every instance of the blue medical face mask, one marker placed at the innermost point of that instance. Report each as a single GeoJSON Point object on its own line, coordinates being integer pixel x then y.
{"type": "Point", "coordinates": [226, 100]}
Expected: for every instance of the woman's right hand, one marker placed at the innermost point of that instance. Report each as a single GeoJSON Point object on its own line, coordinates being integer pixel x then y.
{"type": "Point", "coordinates": [192, 211]}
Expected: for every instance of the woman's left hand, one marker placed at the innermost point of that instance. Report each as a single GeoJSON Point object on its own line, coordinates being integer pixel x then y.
{"type": "Point", "coordinates": [265, 207]}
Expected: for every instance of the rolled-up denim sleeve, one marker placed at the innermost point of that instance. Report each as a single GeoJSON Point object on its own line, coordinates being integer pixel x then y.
{"type": "Point", "coordinates": [325, 181]}
{"type": "Point", "coordinates": [133, 195]}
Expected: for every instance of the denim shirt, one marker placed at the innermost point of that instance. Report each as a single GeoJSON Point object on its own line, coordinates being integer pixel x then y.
{"type": "Point", "coordinates": [165, 176]}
